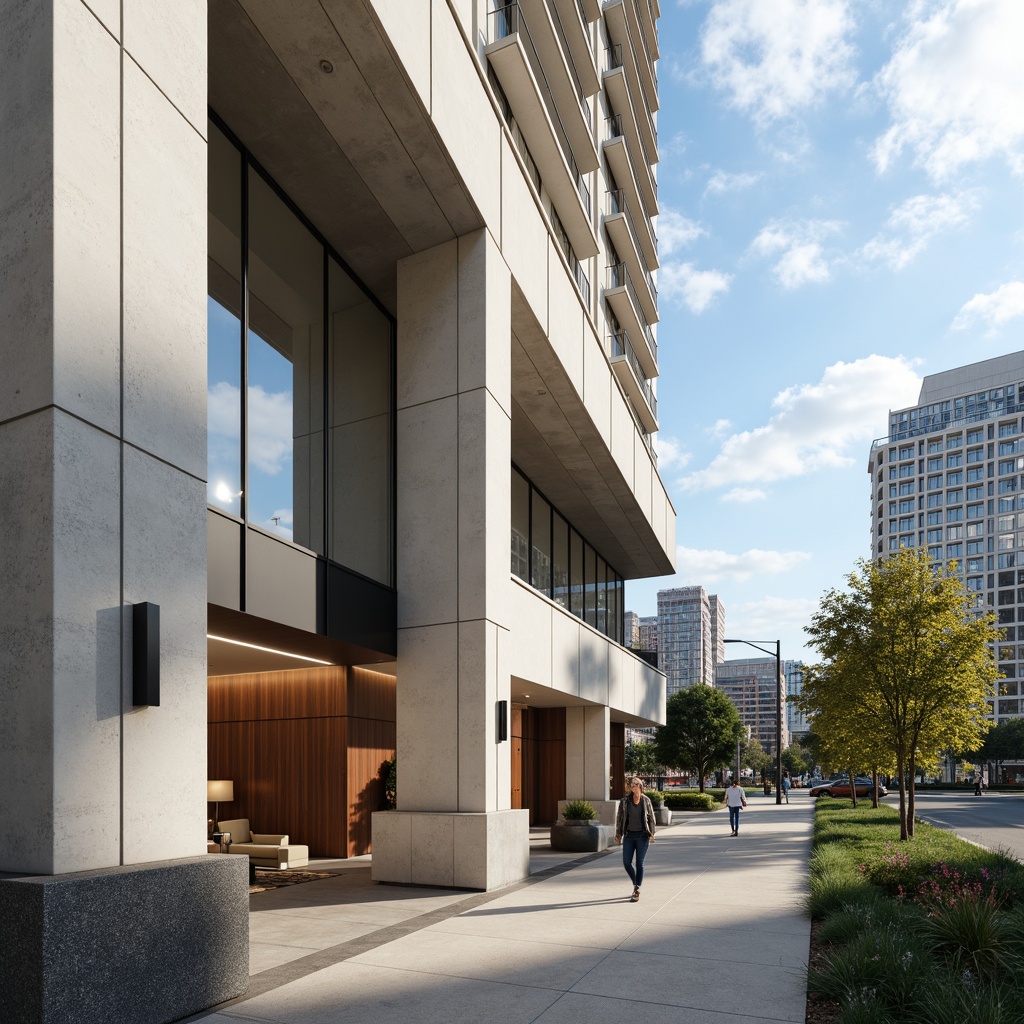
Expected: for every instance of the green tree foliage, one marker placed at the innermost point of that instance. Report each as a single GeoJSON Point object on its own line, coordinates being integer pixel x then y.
{"type": "Point", "coordinates": [700, 731]}
{"type": "Point", "coordinates": [907, 665]}
{"type": "Point", "coordinates": [642, 759]}
{"type": "Point", "coordinates": [754, 756]}
{"type": "Point", "coordinates": [796, 760]}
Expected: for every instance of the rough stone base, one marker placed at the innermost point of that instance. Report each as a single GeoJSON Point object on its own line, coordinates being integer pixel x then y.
{"type": "Point", "coordinates": [142, 944]}
{"type": "Point", "coordinates": [581, 838]}
{"type": "Point", "coordinates": [442, 848]}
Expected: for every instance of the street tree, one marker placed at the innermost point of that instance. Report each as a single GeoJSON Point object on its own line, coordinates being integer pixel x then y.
{"type": "Point", "coordinates": [642, 759]}
{"type": "Point", "coordinates": [754, 756]}
{"type": "Point", "coordinates": [700, 731]}
{"type": "Point", "coordinates": [908, 658]}
{"type": "Point", "coordinates": [1003, 743]}
{"type": "Point", "coordinates": [795, 759]}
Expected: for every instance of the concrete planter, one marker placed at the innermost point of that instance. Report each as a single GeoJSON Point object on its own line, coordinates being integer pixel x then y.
{"type": "Point", "coordinates": [662, 815]}
{"type": "Point", "coordinates": [581, 837]}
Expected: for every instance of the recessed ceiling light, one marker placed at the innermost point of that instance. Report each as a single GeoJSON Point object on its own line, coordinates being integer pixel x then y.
{"type": "Point", "coordinates": [268, 650]}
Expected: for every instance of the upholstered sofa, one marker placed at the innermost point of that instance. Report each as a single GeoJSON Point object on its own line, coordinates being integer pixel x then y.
{"type": "Point", "coordinates": [264, 851]}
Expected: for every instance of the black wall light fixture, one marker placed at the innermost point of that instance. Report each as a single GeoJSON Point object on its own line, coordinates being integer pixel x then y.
{"type": "Point", "coordinates": [502, 725]}
{"type": "Point", "coordinates": [146, 655]}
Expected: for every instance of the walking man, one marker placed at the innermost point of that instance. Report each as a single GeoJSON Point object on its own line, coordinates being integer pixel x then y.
{"type": "Point", "coordinates": [735, 798]}
{"type": "Point", "coordinates": [786, 786]}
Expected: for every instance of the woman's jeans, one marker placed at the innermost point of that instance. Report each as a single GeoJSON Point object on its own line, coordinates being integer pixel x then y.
{"type": "Point", "coordinates": [734, 819]}
{"type": "Point", "coordinates": [635, 843]}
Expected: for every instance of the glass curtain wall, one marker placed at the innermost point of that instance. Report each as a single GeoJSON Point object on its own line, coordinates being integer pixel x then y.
{"type": "Point", "coordinates": [550, 555]}
{"type": "Point", "coordinates": [300, 378]}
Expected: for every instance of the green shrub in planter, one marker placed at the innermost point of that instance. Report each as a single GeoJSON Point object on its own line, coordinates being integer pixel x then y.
{"type": "Point", "coordinates": [691, 801]}
{"type": "Point", "coordinates": [579, 810]}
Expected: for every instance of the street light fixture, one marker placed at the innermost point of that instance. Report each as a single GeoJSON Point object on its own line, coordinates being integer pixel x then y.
{"type": "Point", "coordinates": [778, 704]}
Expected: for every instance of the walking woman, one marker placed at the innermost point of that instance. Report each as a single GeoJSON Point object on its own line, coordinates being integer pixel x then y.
{"type": "Point", "coordinates": [735, 798]}
{"type": "Point", "coordinates": [634, 829]}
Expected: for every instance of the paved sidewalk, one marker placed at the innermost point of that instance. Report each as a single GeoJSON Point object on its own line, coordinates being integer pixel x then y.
{"type": "Point", "coordinates": [719, 936]}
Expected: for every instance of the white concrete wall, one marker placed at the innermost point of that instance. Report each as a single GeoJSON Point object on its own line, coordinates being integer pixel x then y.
{"type": "Point", "coordinates": [102, 433]}
{"type": "Point", "coordinates": [552, 648]}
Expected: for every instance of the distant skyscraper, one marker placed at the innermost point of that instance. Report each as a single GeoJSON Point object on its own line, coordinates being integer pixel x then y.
{"type": "Point", "coordinates": [948, 477]}
{"type": "Point", "coordinates": [648, 633]}
{"type": "Point", "coordinates": [631, 630]}
{"type": "Point", "coordinates": [717, 631]}
{"type": "Point", "coordinates": [685, 650]}
{"type": "Point", "coordinates": [752, 685]}
{"type": "Point", "coordinates": [795, 720]}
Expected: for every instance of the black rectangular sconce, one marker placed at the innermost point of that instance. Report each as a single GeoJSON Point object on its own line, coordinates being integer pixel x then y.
{"type": "Point", "coordinates": [502, 730]}
{"type": "Point", "coordinates": [146, 655]}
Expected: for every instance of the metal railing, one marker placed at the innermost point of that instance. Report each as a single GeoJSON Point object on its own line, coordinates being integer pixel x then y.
{"type": "Point", "coordinates": [933, 427]}
{"type": "Point", "coordinates": [620, 346]}
{"type": "Point", "coordinates": [509, 20]}
{"type": "Point", "coordinates": [617, 204]}
{"type": "Point", "coordinates": [613, 59]}
{"type": "Point", "coordinates": [618, 277]}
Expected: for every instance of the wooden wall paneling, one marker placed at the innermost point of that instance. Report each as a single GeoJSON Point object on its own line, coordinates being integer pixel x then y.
{"type": "Point", "coordinates": [298, 693]}
{"type": "Point", "coordinates": [370, 743]}
{"type": "Point", "coordinates": [371, 695]}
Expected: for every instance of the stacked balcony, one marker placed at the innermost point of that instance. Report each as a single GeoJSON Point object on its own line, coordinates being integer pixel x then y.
{"type": "Point", "coordinates": [624, 146]}
{"type": "Point", "coordinates": [636, 245]}
{"type": "Point", "coordinates": [624, 300]}
{"type": "Point", "coordinates": [630, 373]}
{"type": "Point", "coordinates": [547, 96]}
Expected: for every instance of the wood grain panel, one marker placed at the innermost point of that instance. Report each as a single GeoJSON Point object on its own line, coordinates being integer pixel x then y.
{"type": "Point", "coordinates": [301, 763]}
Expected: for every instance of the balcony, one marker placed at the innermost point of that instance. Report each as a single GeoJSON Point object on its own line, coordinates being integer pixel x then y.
{"type": "Point", "coordinates": [624, 302]}
{"type": "Point", "coordinates": [616, 57]}
{"type": "Point", "coordinates": [624, 27]}
{"type": "Point", "coordinates": [621, 228]}
{"type": "Point", "coordinates": [630, 375]}
{"type": "Point", "coordinates": [591, 10]}
{"type": "Point", "coordinates": [620, 159]}
{"type": "Point", "coordinates": [618, 95]}
{"type": "Point", "coordinates": [558, 69]}
{"type": "Point", "coordinates": [572, 17]}
{"type": "Point", "coordinates": [517, 65]}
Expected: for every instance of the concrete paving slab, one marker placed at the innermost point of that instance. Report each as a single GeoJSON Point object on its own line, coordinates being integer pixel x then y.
{"type": "Point", "coordinates": [577, 1008]}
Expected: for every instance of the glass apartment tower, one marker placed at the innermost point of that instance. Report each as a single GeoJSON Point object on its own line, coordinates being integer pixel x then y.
{"type": "Point", "coordinates": [949, 477]}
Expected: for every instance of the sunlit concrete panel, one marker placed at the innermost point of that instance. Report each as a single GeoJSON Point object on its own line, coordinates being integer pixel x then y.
{"type": "Point", "coordinates": [587, 752]}
{"type": "Point", "coordinates": [463, 116]}
{"type": "Point", "coordinates": [531, 635]}
{"type": "Point", "coordinates": [597, 388]}
{"type": "Point", "coordinates": [428, 328]}
{"type": "Point", "coordinates": [428, 513]}
{"type": "Point", "coordinates": [407, 27]}
{"type": "Point", "coordinates": [565, 653]}
{"type": "Point", "coordinates": [60, 649]}
{"type": "Point", "coordinates": [428, 705]}
{"type": "Point", "coordinates": [594, 661]}
{"type": "Point", "coordinates": [485, 318]}
{"type": "Point", "coordinates": [524, 238]}
{"type": "Point", "coordinates": [165, 812]}
{"type": "Point", "coordinates": [168, 41]}
{"type": "Point", "coordinates": [623, 435]}
{"type": "Point", "coordinates": [642, 475]}
{"type": "Point", "coordinates": [164, 278]}
{"type": "Point", "coordinates": [483, 681]}
{"type": "Point", "coordinates": [280, 582]}
{"type": "Point", "coordinates": [566, 321]}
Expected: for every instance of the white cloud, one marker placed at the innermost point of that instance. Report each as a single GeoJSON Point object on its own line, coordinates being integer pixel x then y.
{"type": "Point", "coordinates": [270, 423]}
{"type": "Point", "coordinates": [771, 616]}
{"type": "Point", "coordinates": [720, 428]}
{"type": "Point", "coordinates": [816, 426]}
{"type": "Point", "coordinates": [696, 288]}
{"type": "Point", "coordinates": [670, 452]}
{"type": "Point", "coordinates": [744, 495]}
{"type": "Point", "coordinates": [914, 223]}
{"type": "Point", "coordinates": [726, 181]}
{"type": "Point", "coordinates": [799, 250]}
{"type": "Point", "coordinates": [995, 308]}
{"type": "Point", "coordinates": [676, 231]}
{"type": "Point", "coordinates": [774, 59]}
{"type": "Point", "coordinates": [710, 566]}
{"type": "Point", "coordinates": [955, 87]}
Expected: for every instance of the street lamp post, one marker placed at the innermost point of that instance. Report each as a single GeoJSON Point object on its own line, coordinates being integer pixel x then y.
{"type": "Point", "coordinates": [778, 704]}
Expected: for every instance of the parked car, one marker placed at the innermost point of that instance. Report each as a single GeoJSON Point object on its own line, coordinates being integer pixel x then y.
{"type": "Point", "coordinates": [841, 787]}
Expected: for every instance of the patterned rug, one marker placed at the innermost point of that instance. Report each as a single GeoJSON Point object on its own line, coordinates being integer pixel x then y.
{"type": "Point", "coordinates": [278, 879]}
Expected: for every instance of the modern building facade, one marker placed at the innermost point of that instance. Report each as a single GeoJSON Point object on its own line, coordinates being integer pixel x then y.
{"type": "Point", "coordinates": [688, 646]}
{"type": "Point", "coordinates": [948, 477]}
{"type": "Point", "coordinates": [755, 687]}
{"type": "Point", "coordinates": [329, 331]}
{"type": "Point", "coordinates": [796, 720]}
{"type": "Point", "coordinates": [648, 633]}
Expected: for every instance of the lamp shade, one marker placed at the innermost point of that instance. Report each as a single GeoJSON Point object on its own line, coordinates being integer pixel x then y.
{"type": "Point", "coordinates": [219, 789]}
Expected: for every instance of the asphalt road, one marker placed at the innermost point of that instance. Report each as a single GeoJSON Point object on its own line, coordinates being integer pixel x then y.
{"type": "Point", "coordinates": [995, 820]}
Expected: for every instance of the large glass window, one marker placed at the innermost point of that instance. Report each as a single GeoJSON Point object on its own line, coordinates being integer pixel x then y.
{"type": "Point", "coordinates": [540, 555]}
{"type": "Point", "coordinates": [520, 527]}
{"type": "Point", "coordinates": [302, 349]}
{"type": "Point", "coordinates": [559, 560]}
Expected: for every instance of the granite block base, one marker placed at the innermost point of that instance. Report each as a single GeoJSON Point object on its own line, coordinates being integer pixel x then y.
{"type": "Point", "coordinates": [141, 944]}
{"type": "Point", "coordinates": [581, 838]}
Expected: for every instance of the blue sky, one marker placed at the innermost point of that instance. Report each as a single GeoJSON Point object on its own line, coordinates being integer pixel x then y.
{"type": "Point", "coordinates": [842, 212]}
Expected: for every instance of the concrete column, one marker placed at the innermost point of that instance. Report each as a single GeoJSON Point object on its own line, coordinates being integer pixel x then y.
{"type": "Point", "coordinates": [102, 496]}
{"type": "Point", "coordinates": [454, 825]}
{"type": "Point", "coordinates": [587, 753]}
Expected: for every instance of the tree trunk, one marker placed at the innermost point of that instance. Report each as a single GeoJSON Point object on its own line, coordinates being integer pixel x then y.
{"type": "Point", "coordinates": [901, 771]}
{"type": "Point", "coordinates": [874, 788]}
{"type": "Point", "coordinates": [853, 787]}
{"type": "Point", "coordinates": [910, 797]}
